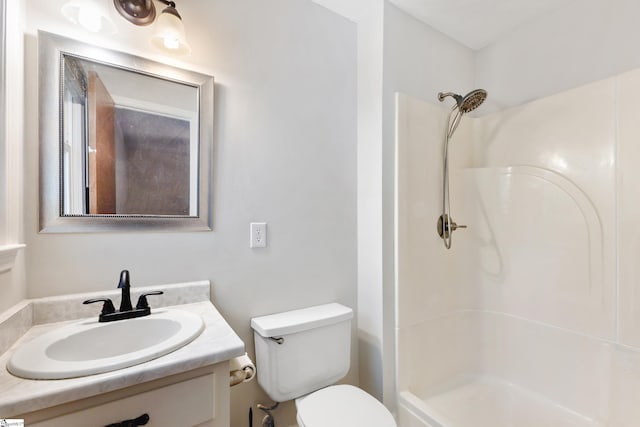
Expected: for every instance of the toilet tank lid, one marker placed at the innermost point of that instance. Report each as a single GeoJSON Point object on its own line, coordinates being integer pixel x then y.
{"type": "Point", "coordinates": [294, 321]}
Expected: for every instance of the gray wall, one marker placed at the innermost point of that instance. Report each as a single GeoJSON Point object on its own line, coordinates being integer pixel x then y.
{"type": "Point", "coordinates": [285, 153]}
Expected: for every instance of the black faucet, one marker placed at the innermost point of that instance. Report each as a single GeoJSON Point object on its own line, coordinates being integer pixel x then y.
{"type": "Point", "coordinates": [125, 301]}
{"type": "Point", "coordinates": [109, 313]}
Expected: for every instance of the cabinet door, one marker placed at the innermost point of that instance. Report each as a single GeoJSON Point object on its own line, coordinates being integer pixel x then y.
{"type": "Point", "coordinates": [187, 403]}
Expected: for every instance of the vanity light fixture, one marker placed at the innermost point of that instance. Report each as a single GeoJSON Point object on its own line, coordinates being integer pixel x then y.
{"type": "Point", "coordinates": [169, 34]}
{"type": "Point", "coordinates": [91, 15]}
{"type": "Point", "coordinates": [138, 12]}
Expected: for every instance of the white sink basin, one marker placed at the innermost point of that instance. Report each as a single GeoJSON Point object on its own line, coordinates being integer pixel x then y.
{"type": "Point", "coordinates": [88, 347]}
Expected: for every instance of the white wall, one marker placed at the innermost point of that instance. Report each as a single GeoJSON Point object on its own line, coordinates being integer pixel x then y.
{"type": "Point", "coordinates": [285, 153]}
{"type": "Point", "coordinates": [396, 42]}
{"type": "Point", "coordinates": [368, 16]}
{"type": "Point", "coordinates": [422, 62]}
{"type": "Point", "coordinates": [12, 282]}
{"type": "Point", "coordinates": [580, 43]}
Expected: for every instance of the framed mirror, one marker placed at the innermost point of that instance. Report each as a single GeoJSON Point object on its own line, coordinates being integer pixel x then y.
{"type": "Point", "coordinates": [125, 142]}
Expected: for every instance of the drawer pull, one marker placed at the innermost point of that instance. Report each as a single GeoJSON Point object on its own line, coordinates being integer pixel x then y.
{"type": "Point", "coordinates": [140, 421]}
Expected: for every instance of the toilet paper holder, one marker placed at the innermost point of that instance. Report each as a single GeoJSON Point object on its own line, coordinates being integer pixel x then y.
{"type": "Point", "coordinates": [241, 370]}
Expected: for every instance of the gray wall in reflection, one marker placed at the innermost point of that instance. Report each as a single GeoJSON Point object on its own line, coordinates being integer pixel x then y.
{"type": "Point", "coordinates": [152, 164]}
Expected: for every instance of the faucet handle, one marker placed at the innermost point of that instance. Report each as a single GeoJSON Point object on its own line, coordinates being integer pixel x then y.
{"type": "Point", "coordinates": [142, 300]}
{"type": "Point", "coordinates": [107, 307]}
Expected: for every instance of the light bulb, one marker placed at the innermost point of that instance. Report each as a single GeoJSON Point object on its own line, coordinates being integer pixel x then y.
{"type": "Point", "coordinates": [92, 15]}
{"type": "Point", "coordinates": [171, 43]}
{"type": "Point", "coordinates": [169, 34]}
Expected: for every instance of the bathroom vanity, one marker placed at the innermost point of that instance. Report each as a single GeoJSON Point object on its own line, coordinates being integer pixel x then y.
{"type": "Point", "coordinates": [187, 387]}
{"type": "Point", "coordinates": [199, 397]}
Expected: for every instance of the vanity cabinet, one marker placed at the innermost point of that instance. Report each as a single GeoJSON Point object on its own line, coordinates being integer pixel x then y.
{"type": "Point", "coordinates": [196, 398]}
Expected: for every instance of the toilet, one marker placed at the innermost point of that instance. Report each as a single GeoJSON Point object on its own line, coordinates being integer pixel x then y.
{"type": "Point", "coordinates": [300, 354]}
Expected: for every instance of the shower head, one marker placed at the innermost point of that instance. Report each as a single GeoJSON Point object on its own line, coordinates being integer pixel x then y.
{"type": "Point", "coordinates": [466, 103]}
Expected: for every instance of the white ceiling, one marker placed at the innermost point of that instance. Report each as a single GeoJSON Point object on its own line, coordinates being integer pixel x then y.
{"type": "Point", "coordinates": [478, 23]}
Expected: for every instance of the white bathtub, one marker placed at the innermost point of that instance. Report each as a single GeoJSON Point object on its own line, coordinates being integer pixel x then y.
{"type": "Point", "coordinates": [483, 369]}
{"type": "Point", "coordinates": [486, 402]}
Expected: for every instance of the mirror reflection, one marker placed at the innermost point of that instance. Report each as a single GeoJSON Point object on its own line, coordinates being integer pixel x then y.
{"type": "Point", "coordinates": [129, 142]}
{"type": "Point", "coordinates": [126, 143]}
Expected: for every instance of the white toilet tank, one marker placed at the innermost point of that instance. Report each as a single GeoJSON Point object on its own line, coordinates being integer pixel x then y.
{"type": "Point", "coordinates": [300, 351]}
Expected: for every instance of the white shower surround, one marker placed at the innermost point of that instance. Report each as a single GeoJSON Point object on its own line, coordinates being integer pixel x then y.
{"type": "Point", "coordinates": [533, 318]}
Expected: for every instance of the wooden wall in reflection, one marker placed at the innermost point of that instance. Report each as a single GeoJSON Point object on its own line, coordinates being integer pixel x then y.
{"type": "Point", "coordinates": [102, 155]}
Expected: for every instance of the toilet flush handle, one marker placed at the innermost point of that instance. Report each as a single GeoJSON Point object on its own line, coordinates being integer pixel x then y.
{"type": "Point", "coordinates": [278, 340]}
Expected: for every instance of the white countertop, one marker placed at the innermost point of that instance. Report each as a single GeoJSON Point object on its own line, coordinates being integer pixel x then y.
{"type": "Point", "coordinates": [217, 343]}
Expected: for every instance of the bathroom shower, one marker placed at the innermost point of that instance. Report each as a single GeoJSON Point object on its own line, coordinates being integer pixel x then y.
{"type": "Point", "coordinates": [464, 104]}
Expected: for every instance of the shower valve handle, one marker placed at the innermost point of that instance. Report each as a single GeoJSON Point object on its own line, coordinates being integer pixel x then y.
{"type": "Point", "coordinates": [446, 226]}
{"type": "Point", "coordinates": [455, 226]}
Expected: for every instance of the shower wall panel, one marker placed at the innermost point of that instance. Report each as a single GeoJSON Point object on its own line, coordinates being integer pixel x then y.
{"type": "Point", "coordinates": [541, 224]}
{"type": "Point", "coordinates": [421, 258]}
{"type": "Point", "coordinates": [442, 352]}
{"type": "Point", "coordinates": [534, 248]}
{"type": "Point", "coordinates": [542, 291]}
{"type": "Point", "coordinates": [629, 208]}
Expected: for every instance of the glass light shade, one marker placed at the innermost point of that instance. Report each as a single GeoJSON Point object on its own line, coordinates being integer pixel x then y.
{"type": "Point", "coordinates": [92, 15]}
{"type": "Point", "coordinates": [169, 34]}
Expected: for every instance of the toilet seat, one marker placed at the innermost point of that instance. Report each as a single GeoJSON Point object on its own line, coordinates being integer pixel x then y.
{"type": "Point", "coordinates": [342, 406]}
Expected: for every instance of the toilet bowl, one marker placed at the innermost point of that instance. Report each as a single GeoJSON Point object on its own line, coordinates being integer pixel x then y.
{"type": "Point", "coordinates": [300, 354]}
{"type": "Point", "coordinates": [342, 406]}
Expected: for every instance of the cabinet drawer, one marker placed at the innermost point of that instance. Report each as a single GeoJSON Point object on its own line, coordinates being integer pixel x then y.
{"type": "Point", "coordinates": [187, 403]}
